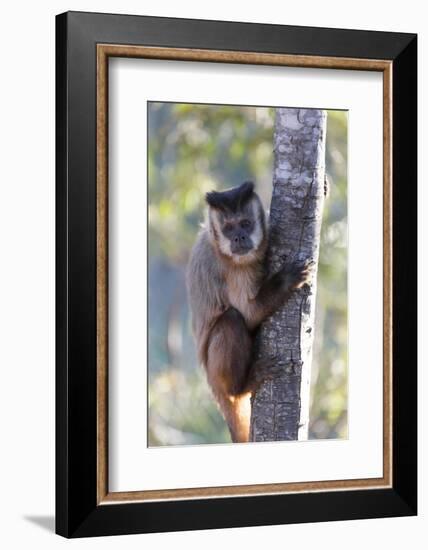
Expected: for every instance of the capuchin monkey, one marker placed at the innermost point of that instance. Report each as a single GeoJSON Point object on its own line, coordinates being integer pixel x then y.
{"type": "Point", "coordinates": [230, 296]}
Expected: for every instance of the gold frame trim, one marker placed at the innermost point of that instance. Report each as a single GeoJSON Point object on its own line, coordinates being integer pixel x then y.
{"type": "Point", "coordinates": [104, 51]}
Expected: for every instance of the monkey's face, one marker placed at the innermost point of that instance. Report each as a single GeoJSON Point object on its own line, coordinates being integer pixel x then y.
{"type": "Point", "coordinates": [238, 230]}
{"type": "Point", "coordinates": [237, 222]}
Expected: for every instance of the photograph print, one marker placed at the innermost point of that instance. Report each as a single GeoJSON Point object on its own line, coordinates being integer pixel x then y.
{"type": "Point", "coordinates": [247, 274]}
{"type": "Point", "coordinates": [234, 244]}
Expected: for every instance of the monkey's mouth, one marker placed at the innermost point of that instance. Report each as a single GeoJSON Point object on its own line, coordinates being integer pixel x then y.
{"type": "Point", "coordinates": [240, 249]}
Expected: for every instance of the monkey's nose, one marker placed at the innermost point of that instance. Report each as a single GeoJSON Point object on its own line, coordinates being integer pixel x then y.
{"type": "Point", "coordinates": [241, 238]}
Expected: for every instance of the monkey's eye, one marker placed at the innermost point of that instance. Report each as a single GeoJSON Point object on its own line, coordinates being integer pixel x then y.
{"type": "Point", "coordinates": [245, 224]}
{"type": "Point", "coordinates": [227, 228]}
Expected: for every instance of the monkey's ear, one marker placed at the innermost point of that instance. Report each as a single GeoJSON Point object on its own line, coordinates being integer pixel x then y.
{"type": "Point", "coordinates": [215, 200]}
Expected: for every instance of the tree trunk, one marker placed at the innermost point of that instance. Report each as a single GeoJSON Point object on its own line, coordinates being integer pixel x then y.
{"type": "Point", "coordinates": [280, 407]}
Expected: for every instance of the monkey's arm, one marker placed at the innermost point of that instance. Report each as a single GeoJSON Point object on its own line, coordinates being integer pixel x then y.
{"type": "Point", "coordinates": [276, 291]}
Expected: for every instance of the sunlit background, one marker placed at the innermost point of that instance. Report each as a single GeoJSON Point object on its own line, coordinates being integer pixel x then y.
{"type": "Point", "coordinates": [194, 149]}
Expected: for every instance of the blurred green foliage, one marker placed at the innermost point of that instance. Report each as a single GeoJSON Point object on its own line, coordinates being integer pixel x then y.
{"type": "Point", "coordinates": [193, 149]}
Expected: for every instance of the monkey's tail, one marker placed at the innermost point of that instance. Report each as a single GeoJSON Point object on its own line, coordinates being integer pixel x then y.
{"type": "Point", "coordinates": [237, 413]}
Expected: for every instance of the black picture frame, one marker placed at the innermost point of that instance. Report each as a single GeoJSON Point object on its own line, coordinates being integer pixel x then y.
{"type": "Point", "coordinates": [77, 511]}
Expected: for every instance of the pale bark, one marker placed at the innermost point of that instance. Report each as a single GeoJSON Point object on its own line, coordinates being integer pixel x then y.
{"type": "Point", "coordinates": [280, 407]}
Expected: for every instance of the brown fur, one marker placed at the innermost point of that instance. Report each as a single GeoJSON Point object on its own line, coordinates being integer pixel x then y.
{"type": "Point", "coordinates": [229, 297]}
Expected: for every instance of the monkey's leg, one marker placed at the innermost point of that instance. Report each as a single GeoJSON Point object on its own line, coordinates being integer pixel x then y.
{"type": "Point", "coordinates": [228, 364]}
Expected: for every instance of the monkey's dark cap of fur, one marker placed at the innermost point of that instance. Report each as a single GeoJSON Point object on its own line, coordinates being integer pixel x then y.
{"type": "Point", "coordinates": [232, 199]}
